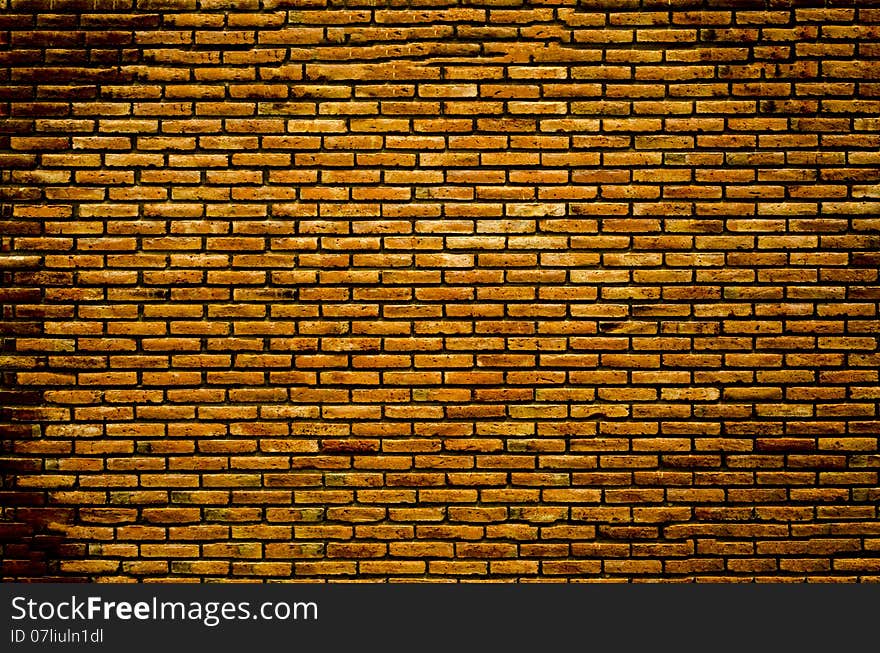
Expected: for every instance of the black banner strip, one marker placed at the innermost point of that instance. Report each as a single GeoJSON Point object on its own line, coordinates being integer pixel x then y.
{"type": "Point", "coordinates": [383, 617]}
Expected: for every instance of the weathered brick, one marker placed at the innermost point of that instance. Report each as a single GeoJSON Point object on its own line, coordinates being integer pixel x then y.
{"type": "Point", "coordinates": [450, 293]}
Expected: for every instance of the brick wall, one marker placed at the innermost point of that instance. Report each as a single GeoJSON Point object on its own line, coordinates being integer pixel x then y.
{"type": "Point", "coordinates": [447, 289]}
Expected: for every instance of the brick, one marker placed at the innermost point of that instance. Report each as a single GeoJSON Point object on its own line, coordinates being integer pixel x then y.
{"type": "Point", "coordinates": [575, 311]}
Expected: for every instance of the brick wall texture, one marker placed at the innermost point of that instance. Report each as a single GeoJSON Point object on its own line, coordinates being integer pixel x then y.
{"type": "Point", "coordinates": [440, 290]}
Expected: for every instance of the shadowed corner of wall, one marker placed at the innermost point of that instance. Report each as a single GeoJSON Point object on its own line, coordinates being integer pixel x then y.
{"type": "Point", "coordinates": [33, 546]}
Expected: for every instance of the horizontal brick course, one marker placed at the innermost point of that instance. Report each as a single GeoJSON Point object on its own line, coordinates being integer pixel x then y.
{"type": "Point", "coordinates": [490, 291]}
